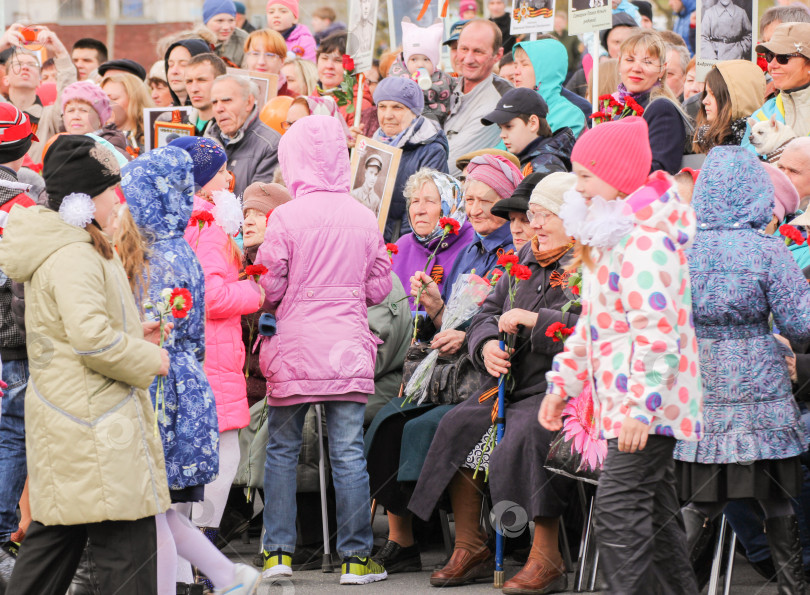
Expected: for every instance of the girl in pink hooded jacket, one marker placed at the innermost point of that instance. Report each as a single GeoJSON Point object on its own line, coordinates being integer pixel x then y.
{"type": "Point", "coordinates": [282, 16]}
{"type": "Point", "coordinates": [226, 300]}
{"type": "Point", "coordinates": [326, 263]}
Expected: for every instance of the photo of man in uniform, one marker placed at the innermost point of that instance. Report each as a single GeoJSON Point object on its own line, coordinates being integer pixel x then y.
{"type": "Point", "coordinates": [725, 32]}
{"type": "Point", "coordinates": [361, 34]}
{"type": "Point", "coordinates": [365, 192]}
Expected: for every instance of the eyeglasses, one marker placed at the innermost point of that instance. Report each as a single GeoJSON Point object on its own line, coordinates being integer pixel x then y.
{"type": "Point", "coordinates": [540, 217]}
{"type": "Point", "coordinates": [780, 58]}
{"type": "Point", "coordinates": [267, 55]}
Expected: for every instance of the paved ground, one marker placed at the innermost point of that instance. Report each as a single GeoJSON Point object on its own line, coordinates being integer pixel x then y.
{"type": "Point", "coordinates": [745, 581]}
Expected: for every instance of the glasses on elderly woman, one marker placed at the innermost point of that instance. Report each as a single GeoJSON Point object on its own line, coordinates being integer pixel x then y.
{"type": "Point", "coordinates": [541, 218]}
{"type": "Point", "coordinates": [780, 58]}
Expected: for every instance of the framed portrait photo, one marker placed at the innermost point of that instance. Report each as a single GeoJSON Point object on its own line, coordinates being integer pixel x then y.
{"type": "Point", "coordinates": [726, 30]}
{"type": "Point", "coordinates": [166, 132]}
{"type": "Point", "coordinates": [374, 171]}
{"type": "Point", "coordinates": [166, 115]}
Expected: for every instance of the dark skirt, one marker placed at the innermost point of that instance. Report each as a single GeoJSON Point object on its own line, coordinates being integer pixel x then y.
{"type": "Point", "coordinates": [516, 471]}
{"type": "Point", "coordinates": [765, 479]}
{"type": "Point", "coordinates": [396, 445]}
{"type": "Point", "coordinates": [189, 494]}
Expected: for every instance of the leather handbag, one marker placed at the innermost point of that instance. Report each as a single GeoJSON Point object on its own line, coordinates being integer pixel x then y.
{"type": "Point", "coordinates": [454, 377]}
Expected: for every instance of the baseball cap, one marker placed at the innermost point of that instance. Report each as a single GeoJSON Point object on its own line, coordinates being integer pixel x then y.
{"type": "Point", "coordinates": [514, 103]}
{"type": "Point", "coordinates": [789, 38]}
{"type": "Point", "coordinates": [455, 31]}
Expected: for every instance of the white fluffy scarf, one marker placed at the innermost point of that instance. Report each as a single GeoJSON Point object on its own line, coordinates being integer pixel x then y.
{"type": "Point", "coordinates": [600, 225]}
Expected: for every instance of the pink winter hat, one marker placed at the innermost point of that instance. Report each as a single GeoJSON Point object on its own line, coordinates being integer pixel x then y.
{"type": "Point", "coordinates": [422, 40]}
{"type": "Point", "coordinates": [291, 4]}
{"type": "Point", "coordinates": [618, 153]}
{"type": "Point", "coordinates": [466, 5]}
{"type": "Point", "coordinates": [785, 197]}
{"type": "Point", "coordinates": [90, 93]}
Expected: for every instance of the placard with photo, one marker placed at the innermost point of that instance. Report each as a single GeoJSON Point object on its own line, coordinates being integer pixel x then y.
{"type": "Point", "coordinates": [532, 16]}
{"type": "Point", "coordinates": [374, 172]}
{"type": "Point", "coordinates": [726, 30]}
{"type": "Point", "coordinates": [151, 115]}
{"type": "Point", "coordinates": [362, 33]}
{"type": "Point", "coordinates": [266, 82]}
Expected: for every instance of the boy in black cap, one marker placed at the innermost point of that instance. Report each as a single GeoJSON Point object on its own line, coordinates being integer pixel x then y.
{"type": "Point", "coordinates": [521, 116]}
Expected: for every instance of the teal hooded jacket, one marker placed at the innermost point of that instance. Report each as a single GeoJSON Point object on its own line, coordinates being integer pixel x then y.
{"type": "Point", "coordinates": [550, 61]}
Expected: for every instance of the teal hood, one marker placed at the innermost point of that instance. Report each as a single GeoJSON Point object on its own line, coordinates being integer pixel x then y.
{"type": "Point", "coordinates": [550, 61]}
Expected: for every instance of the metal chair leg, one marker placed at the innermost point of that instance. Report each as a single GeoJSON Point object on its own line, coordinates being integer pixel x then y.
{"type": "Point", "coordinates": [326, 562]}
{"type": "Point", "coordinates": [565, 547]}
{"type": "Point", "coordinates": [718, 557]}
{"type": "Point", "coordinates": [585, 550]}
{"type": "Point", "coordinates": [732, 550]}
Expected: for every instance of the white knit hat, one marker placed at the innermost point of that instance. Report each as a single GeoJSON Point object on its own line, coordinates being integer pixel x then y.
{"type": "Point", "coordinates": [549, 191]}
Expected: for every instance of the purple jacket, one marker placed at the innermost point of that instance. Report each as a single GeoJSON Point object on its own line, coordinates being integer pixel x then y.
{"type": "Point", "coordinates": [413, 256]}
{"type": "Point", "coordinates": [326, 263]}
{"type": "Point", "coordinates": [301, 43]}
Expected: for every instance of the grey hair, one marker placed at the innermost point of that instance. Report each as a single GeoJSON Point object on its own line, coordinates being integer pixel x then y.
{"type": "Point", "coordinates": [683, 54]}
{"type": "Point", "coordinates": [800, 144]}
{"type": "Point", "coordinates": [793, 13]}
{"type": "Point", "coordinates": [415, 183]}
{"type": "Point", "coordinates": [248, 86]}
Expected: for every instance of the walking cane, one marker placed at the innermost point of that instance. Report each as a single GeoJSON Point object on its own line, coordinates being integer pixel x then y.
{"type": "Point", "coordinates": [326, 561]}
{"type": "Point", "coordinates": [500, 423]}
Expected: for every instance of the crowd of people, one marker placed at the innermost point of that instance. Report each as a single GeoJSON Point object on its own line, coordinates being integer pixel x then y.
{"type": "Point", "coordinates": [182, 322]}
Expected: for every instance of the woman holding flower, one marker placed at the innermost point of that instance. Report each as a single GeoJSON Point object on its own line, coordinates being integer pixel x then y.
{"type": "Point", "coordinates": [159, 188]}
{"type": "Point", "coordinates": [643, 92]}
{"type": "Point", "coordinates": [399, 437]}
{"type": "Point", "coordinates": [431, 196]}
{"type": "Point", "coordinates": [226, 299]}
{"type": "Point", "coordinates": [522, 309]}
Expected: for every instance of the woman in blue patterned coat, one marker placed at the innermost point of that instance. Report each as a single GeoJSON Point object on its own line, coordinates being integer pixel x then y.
{"type": "Point", "coordinates": [752, 434]}
{"type": "Point", "coordinates": [159, 188]}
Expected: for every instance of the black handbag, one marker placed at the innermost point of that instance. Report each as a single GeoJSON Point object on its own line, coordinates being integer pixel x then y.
{"type": "Point", "coordinates": [454, 377]}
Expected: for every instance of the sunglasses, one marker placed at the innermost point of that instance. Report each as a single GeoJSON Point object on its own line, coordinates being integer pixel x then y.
{"type": "Point", "coordinates": [780, 58]}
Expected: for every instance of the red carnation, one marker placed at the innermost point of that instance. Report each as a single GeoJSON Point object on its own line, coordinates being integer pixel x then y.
{"type": "Point", "coordinates": [392, 248]}
{"type": "Point", "coordinates": [180, 301]}
{"type": "Point", "coordinates": [558, 332]}
{"type": "Point", "coordinates": [521, 272]}
{"type": "Point", "coordinates": [494, 276]}
{"type": "Point", "coordinates": [634, 105]}
{"type": "Point", "coordinates": [596, 115]}
{"type": "Point", "coordinates": [348, 63]}
{"type": "Point", "coordinates": [255, 271]}
{"type": "Point", "coordinates": [449, 225]}
{"type": "Point", "coordinates": [201, 219]}
{"type": "Point", "coordinates": [508, 260]}
{"type": "Point", "coordinates": [575, 290]}
{"type": "Point", "coordinates": [791, 235]}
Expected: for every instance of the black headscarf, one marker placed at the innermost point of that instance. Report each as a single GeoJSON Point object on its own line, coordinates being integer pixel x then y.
{"type": "Point", "coordinates": [195, 47]}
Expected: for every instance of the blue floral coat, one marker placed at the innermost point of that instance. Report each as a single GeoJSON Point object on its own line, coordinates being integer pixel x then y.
{"type": "Point", "coordinates": [740, 277]}
{"type": "Point", "coordinates": [159, 188]}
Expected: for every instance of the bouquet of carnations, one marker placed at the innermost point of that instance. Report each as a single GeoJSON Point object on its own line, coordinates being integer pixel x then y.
{"type": "Point", "coordinates": [469, 293]}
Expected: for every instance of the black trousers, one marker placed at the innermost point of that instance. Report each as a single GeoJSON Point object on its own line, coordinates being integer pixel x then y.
{"type": "Point", "coordinates": [639, 530]}
{"type": "Point", "coordinates": [123, 557]}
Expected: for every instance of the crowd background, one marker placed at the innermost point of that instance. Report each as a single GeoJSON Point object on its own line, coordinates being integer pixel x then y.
{"type": "Point", "coordinates": [665, 225]}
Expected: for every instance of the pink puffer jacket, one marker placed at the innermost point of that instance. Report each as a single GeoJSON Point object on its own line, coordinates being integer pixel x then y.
{"type": "Point", "coordinates": [226, 299]}
{"type": "Point", "coordinates": [301, 43]}
{"type": "Point", "coordinates": [327, 263]}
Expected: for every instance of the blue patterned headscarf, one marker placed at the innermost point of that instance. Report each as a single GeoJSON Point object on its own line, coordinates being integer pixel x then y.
{"type": "Point", "coordinates": [208, 156]}
{"type": "Point", "coordinates": [732, 190]}
{"type": "Point", "coordinates": [159, 188]}
{"type": "Point", "coordinates": [452, 198]}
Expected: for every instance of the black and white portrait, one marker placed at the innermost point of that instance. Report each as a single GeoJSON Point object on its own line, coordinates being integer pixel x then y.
{"type": "Point", "coordinates": [374, 172]}
{"type": "Point", "coordinates": [725, 30]}
{"type": "Point", "coordinates": [362, 31]}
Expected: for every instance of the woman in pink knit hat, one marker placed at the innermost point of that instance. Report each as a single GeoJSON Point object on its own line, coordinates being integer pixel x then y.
{"type": "Point", "coordinates": [635, 344]}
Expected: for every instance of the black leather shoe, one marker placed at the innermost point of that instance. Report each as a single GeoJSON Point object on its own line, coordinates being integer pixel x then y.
{"type": "Point", "coordinates": [395, 558]}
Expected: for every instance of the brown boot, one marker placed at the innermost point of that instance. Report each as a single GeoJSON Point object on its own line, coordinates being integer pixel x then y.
{"type": "Point", "coordinates": [464, 567]}
{"type": "Point", "coordinates": [536, 579]}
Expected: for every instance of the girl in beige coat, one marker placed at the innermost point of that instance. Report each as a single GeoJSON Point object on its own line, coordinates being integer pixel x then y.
{"type": "Point", "coordinates": [95, 464]}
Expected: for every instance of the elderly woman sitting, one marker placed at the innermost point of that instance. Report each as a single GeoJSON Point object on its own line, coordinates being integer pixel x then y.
{"type": "Point", "coordinates": [399, 437]}
{"type": "Point", "coordinates": [399, 110]}
{"type": "Point", "coordinates": [431, 196]}
{"type": "Point", "coordinates": [458, 447]}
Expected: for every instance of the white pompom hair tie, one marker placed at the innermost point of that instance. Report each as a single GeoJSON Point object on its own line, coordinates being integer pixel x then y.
{"type": "Point", "coordinates": [77, 209]}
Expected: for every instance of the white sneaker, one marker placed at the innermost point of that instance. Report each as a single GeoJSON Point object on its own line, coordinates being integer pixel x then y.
{"type": "Point", "coordinates": [276, 564]}
{"type": "Point", "coordinates": [246, 582]}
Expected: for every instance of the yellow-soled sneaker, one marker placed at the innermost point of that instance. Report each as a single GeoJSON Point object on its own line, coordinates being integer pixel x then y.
{"type": "Point", "coordinates": [277, 563]}
{"type": "Point", "coordinates": [360, 571]}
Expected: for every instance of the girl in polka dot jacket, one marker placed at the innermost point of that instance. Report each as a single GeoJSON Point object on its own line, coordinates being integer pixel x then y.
{"type": "Point", "coordinates": [635, 343]}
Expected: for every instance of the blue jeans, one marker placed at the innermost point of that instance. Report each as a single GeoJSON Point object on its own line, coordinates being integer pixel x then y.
{"type": "Point", "coordinates": [344, 423]}
{"type": "Point", "coordinates": [12, 444]}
